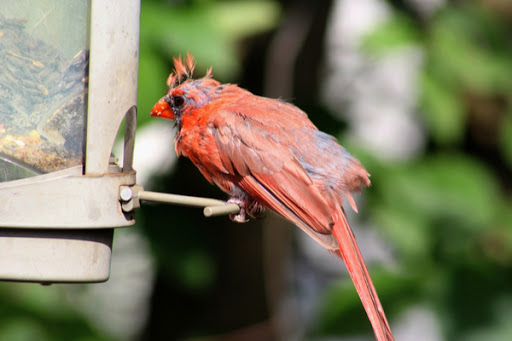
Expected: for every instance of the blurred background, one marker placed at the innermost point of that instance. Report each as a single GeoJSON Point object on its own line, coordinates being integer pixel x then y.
{"type": "Point", "coordinates": [419, 90]}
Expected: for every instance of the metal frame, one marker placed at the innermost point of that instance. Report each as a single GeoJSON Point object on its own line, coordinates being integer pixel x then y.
{"type": "Point", "coordinates": [114, 51]}
{"type": "Point", "coordinates": [66, 200]}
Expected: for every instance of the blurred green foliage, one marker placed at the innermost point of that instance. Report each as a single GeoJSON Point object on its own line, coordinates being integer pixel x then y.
{"type": "Point", "coordinates": [35, 312]}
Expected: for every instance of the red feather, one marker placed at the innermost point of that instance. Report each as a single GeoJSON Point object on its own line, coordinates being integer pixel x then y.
{"type": "Point", "coordinates": [266, 153]}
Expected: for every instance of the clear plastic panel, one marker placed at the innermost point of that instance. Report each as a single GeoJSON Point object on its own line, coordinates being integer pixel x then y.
{"type": "Point", "coordinates": [44, 62]}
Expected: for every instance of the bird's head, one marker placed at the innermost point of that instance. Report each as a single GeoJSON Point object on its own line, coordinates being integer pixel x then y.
{"type": "Point", "coordinates": [185, 93]}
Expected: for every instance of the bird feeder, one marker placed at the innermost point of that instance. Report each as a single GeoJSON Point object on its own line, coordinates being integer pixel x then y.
{"type": "Point", "coordinates": [68, 79]}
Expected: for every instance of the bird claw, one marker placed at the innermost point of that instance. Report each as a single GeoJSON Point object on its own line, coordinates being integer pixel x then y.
{"type": "Point", "coordinates": [239, 218]}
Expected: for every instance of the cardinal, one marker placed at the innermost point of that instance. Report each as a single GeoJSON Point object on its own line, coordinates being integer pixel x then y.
{"type": "Point", "coordinates": [266, 154]}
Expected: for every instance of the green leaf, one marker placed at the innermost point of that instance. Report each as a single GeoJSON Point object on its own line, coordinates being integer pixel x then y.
{"type": "Point", "coordinates": [38, 299]}
{"type": "Point", "coordinates": [398, 31]}
{"type": "Point", "coordinates": [407, 231]}
{"type": "Point", "coordinates": [442, 109]}
{"type": "Point", "coordinates": [244, 18]}
{"type": "Point", "coordinates": [22, 329]}
{"type": "Point", "coordinates": [452, 190]}
{"type": "Point", "coordinates": [461, 50]}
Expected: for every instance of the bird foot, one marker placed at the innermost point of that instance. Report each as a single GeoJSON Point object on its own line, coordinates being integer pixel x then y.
{"type": "Point", "coordinates": [241, 216]}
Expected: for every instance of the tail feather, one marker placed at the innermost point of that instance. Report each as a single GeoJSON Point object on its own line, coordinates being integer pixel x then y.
{"type": "Point", "coordinates": [349, 252]}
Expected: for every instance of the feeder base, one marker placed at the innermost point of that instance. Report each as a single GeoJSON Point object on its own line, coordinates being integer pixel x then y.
{"type": "Point", "coordinates": [50, 256]}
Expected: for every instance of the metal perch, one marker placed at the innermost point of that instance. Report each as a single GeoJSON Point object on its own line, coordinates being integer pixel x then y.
{"type": "Point", "coordinates": [131, 197]}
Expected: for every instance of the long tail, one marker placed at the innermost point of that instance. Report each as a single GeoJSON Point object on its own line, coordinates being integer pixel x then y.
{"type": "Point", "coordinates": [349, 252]}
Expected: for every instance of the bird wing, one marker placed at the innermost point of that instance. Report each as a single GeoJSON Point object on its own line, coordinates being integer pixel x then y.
{"type": "Point", "coordinates": [255, 150]}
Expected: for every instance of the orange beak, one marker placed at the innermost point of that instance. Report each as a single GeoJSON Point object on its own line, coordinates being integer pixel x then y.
{"type": "Point", "coordinates": [162, 109]}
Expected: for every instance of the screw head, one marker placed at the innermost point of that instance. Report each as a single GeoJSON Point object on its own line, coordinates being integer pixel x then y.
{"type": "Point", "coordinates": [126, 194]}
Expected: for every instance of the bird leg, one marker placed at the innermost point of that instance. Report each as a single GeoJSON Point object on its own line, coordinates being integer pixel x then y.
{"type": "Point", "coordinates": [240, 217]}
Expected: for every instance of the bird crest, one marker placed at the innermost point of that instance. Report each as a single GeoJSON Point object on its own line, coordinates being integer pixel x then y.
{"type": "Point", "coordinates": [184, 70]}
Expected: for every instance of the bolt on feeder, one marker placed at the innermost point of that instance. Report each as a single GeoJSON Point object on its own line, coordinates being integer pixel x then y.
{"type": "Point", "coordinates": [68, 79]}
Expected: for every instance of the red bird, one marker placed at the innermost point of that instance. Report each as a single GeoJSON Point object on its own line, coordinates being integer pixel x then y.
{"type": "Point", "coordinates": [266, 153]}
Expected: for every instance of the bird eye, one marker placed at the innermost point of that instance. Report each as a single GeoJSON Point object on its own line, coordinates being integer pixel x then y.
{"type": "Point", "coordinates": [178, 101]}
